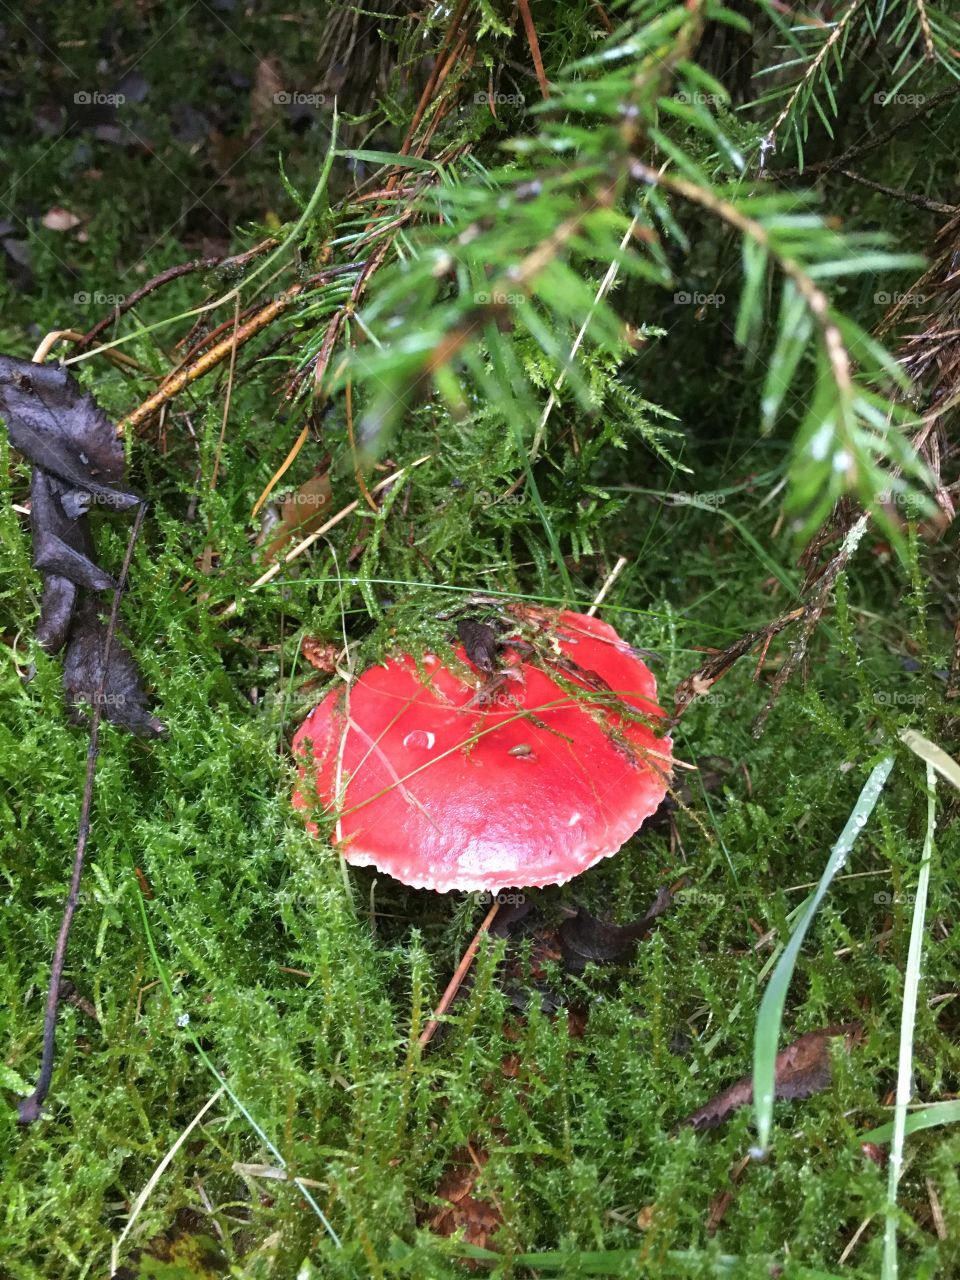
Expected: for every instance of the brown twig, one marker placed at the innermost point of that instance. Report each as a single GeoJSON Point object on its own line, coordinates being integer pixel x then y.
{"type": "Point", "coordinates": [930, 52]}
{"type": "Point", "coordinates": [534, 44]}
{"type": "Point", "coordinates": [453, 986]}
{"type": "Point", "coordinates": [72, 335]}
{"type": "Point", "coordinates": [827, 166]}
{"type": "Point", "coordinates": [224, 349]}
{"type": "Point", "coordinates": [171, 273]}
{"type": "Point", "coordinates": [812, 69]}
{"type": "Point", "coordinates": [30, 1107]}
{"type": "Point", "coordinates": [441, 66]}
{"type": "Point", "coordinates": [908, 197]}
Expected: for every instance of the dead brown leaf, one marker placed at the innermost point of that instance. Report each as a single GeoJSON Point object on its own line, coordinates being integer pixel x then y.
{"type": "Point", "coordinates": [298, 514]}
{"type": "Point", "coordinates": [464, 1212]}
{"type": "Point", "coordinates": [802, 1069]}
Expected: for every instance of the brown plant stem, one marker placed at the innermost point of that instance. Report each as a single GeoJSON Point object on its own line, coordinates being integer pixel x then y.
{"type": "Point", "coordinates": [453, 986]}
{"type": "Point", "coordinates": [210, 359]}
{"type": "Point", "coordinates": [534, 43]}
{"type": "Point", "coordinates": [171, 273]}
{"type": "Point", "coordinates": [29, 1108]}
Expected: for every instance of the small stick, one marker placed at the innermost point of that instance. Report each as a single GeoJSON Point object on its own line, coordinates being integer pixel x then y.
{"type": "Point", "coordinates": [73, 335]}
{"type": "Point", "coordinates": [29, 1108]}
{"type": "Point", "coordinates": [171, 273]}
{"type": "Point", "coordinates": [211, 358]}
{"type": "Point", "coordinates": [534, 43]}
{"type": "Point", "coordinates": [453, 986]}
{"type": "Point", "coordinates": [909, 197]}
{"type": "Point", "coordinates": [610, 579]}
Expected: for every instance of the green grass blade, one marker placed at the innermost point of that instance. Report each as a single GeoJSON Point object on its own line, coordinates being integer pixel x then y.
{"type": "Point", "coordinates": [767, 1032]}
{"type": "Point", "coordinates": [938, 1113]}
{"type": "Point", "coordinates": [908, 1020]}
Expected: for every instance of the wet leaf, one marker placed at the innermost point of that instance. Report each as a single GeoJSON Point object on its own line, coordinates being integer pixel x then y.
{"type": "Point", "coordinates": [124, 701]}
{"type": "Point", "coordinates": [62, 545]}
{"type": "Point", "coordinates": [585, 938]}
{"type": "Point", "coordinates": [480, 640]}
{"type": "Point", "coordinates": [296, 515]}
{"type": "Point", "coordinates": [56, 612]}
{"type": "Point", "coordinates": [59, 427]}
{"type": "Point", "coordinates": [802, 1069]}
{"type": "Point", "coordinates": [77, 460]}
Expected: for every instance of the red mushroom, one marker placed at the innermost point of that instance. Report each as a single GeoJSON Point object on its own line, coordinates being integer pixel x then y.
{"type": "Point", "coordinates": [527, 777]}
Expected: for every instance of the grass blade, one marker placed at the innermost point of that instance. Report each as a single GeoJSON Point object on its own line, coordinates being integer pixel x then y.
{"type": "Point", "coordinates": [767, 1033]}
{"type": "Point", "coordinates": [908, 1019]}
{"type": "Point", "coordinates": [932, 1117]}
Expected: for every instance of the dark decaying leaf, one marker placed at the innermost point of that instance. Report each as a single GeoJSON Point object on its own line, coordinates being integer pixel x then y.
{"type": "Point", "coordinates": [585, 938]}
{"type": "Point", "coordinates": [480, 640]}
{"type": "Point", "coordinates": [124, 701]}
{"type": "Point", "coordinates": [802, 1069]}
{"type": "Point", "coordinates": [62, 544]}
{"type": "Point", "coordinates": [77, 460]}
{"type": "Point", "coordinates": [59, 427]}
{"type": "Point", "coordinates": [56, 612]}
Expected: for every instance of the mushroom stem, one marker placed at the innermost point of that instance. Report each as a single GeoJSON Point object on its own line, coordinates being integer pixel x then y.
{"type": "Point", "coordinates": [453, 986]}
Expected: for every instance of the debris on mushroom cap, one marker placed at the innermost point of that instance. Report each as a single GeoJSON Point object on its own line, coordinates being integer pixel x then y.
{"type": "Point", "coordinates": [522, 779]}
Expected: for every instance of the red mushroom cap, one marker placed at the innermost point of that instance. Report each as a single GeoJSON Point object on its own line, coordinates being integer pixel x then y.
{"type": "Point", "coordinates": [528, 783]}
